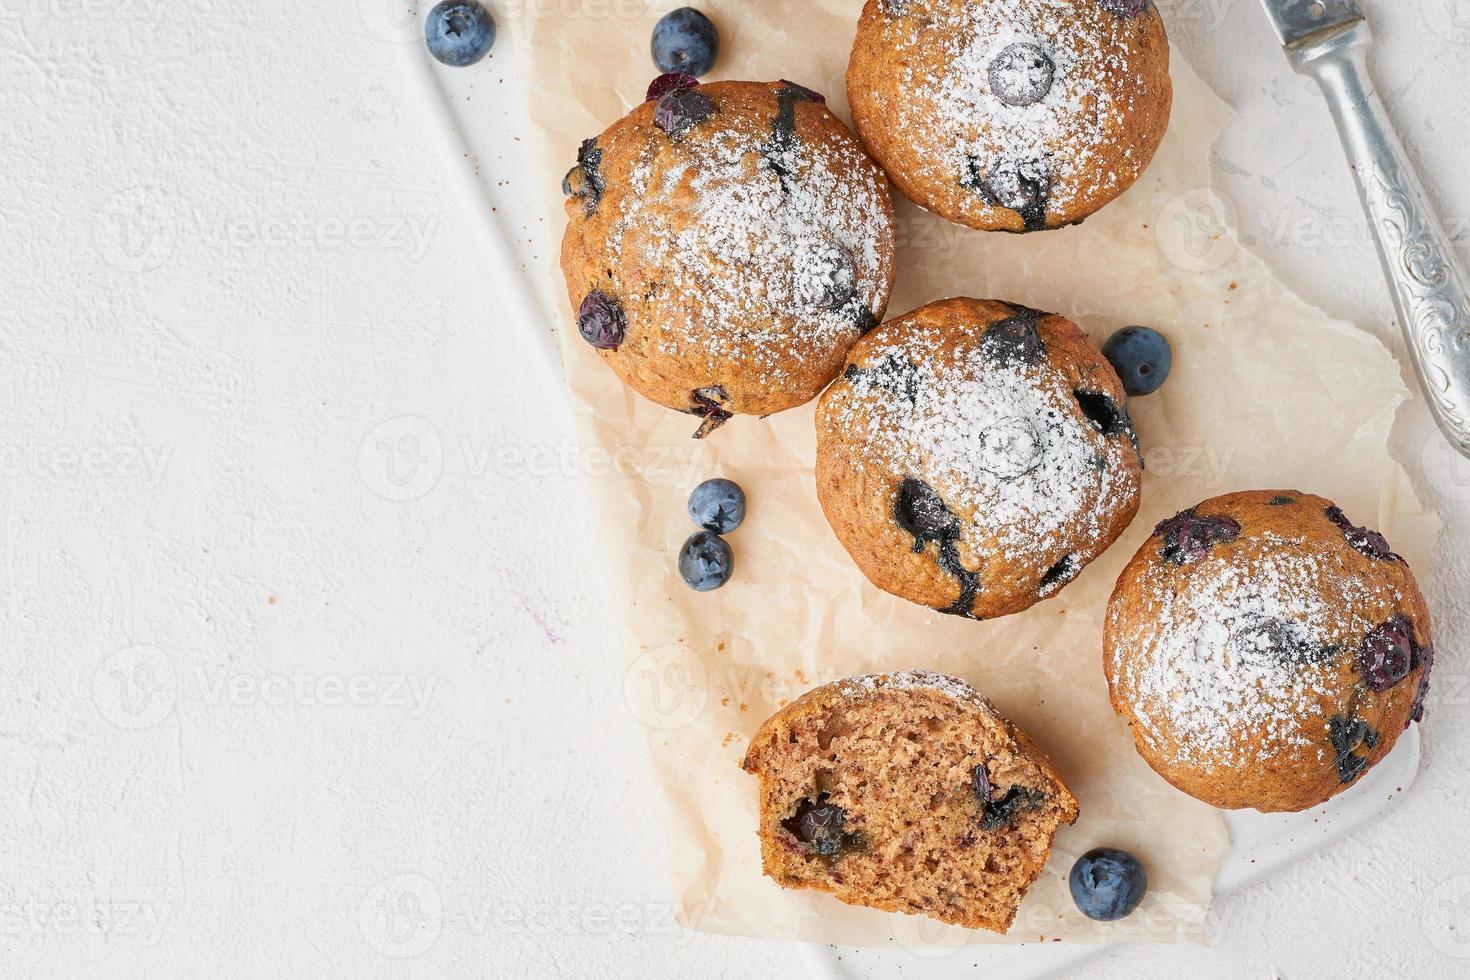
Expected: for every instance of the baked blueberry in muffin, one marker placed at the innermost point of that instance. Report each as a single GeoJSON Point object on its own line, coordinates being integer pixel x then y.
{"type": "Point", "coordinates": [975, 455]}
{"type": "Point", "coordinates": [1011, 115]}
{"type": "Point", "coordinates": [906, 792]}
{"type": "Point", "coordinates": [726, 245]}
{"type": "Point", "coordinates": [1265, 650]}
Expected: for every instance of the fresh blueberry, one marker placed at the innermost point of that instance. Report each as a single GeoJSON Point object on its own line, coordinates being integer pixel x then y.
{"type": "Point", "coordinates": [685, 40]}
{"type": "Point", "coordinates": [460, 32]}
{"type": "Point", "coordinates": [705, 561]}
{"type": "Point", "coordinates": [1142, 358]}
{"type": "Point", "coordinates": [717, 505]}
{"type": "Point", "coordinates": [1107, 884]}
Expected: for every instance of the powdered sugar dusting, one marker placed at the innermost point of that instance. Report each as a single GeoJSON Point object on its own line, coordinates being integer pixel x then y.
{"type": "Point", "coordinates": [1001, 443]}
{"type": "Point", "coordinates": [1226, 670]}
{"type": "Point", "coordinates": [1056, 138]}
{"type": "Point", "coordinates": [909, 680]}
{"type": "Point", "coordinates": [767, 252]}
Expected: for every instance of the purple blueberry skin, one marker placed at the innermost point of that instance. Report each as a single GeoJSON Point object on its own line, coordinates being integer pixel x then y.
{"type": "Point", "coordinates": [1387, 655]}
{"type": "Point", "coordinates": [803, 92]}
{"type": "Point", "coordinates": [1426, 660]}
{"type": "Point", "coordinates": [1014, 339]}
{"type": "Point", "coordinates": [1365, 540]}
{"type": "Point", "coordinates": [600, 321]}
{"type": "Point", "coordinates": [681, 110]}
{"type": "Point", "coordinates": [1188, 537]}
{"type": "Point", "coordinates": [669, 81]}
{"type": "Point", "coordinates": [818, 823]}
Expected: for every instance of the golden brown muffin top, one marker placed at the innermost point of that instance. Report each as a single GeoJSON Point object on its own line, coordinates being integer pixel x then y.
{"type": "Point", "coordinates": [985, 407]}
{"type": "Point", "coordinates": [1040, 108]}
{"type": "Point", "coordinates": [744, 237]}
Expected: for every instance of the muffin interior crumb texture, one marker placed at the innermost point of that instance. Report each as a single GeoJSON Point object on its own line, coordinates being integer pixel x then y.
{"type": "Point", "coordinates": [906, 792]}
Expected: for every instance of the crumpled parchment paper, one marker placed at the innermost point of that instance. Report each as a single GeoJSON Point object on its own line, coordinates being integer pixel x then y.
{"type": "Point", "coordinates": [1265, 392]}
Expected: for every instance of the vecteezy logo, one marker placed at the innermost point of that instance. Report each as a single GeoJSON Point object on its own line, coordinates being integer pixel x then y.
{"type": "Point", "coordinates": [395, 21]}
{"type": "Point", "coordinates": [134, 232]}
{"type": "Point", "coordinates": [135, 688]}
{"type": "Point", "coordinates": [401, 459]}
{"type": "Point", "coordinates": [667, 687]}
{"type": "Point", "coordinates": [1445, 469]}
{"type": "Point", "coordinates": [401, 916]}
{"type": "Point", "coordinates": [927, 938]}
{"type": "Point", "coordinates": [1194, 230]}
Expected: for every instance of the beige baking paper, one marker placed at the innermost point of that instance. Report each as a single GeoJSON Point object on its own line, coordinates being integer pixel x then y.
{"type": "Point", "coordinates": [1266, 392]}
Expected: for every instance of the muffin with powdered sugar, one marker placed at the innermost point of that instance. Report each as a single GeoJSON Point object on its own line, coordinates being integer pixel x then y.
{"type": "Point", "coordinates": [975, 456]}
{"type": "Point", "coordinates": [1265, 650]}
{"type": "Point", "coordinates": [1011, 115]}
{"type": "Point", "coordinates": [726, 245]}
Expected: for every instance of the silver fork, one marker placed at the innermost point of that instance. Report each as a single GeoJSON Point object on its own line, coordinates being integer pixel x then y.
{"type": "Point", "coordinates": [1328, 40]}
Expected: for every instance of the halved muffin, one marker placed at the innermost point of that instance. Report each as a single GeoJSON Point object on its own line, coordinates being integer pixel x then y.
{"type": "Point", "coordinates": [906, 792]}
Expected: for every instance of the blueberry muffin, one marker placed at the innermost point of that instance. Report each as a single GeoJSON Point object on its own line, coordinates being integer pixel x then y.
{"type": "Point", "coordinates": [974, 456]}
{"type": "Point", "coordinates": [726, 245]}
{"type": "Point", "coordinates": [1265, 650]}
{"type": "Point", "coordinates": [1011, 115]}
{"type": "Point", "coordinates": [906, 792]}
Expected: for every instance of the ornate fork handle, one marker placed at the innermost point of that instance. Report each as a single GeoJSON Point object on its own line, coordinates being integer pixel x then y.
{"type": "Point", "coordinates": [1428, 283]}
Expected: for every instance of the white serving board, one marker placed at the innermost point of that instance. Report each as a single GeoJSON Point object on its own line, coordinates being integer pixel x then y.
{"type": "Point", "coordinates": [477, 117]}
